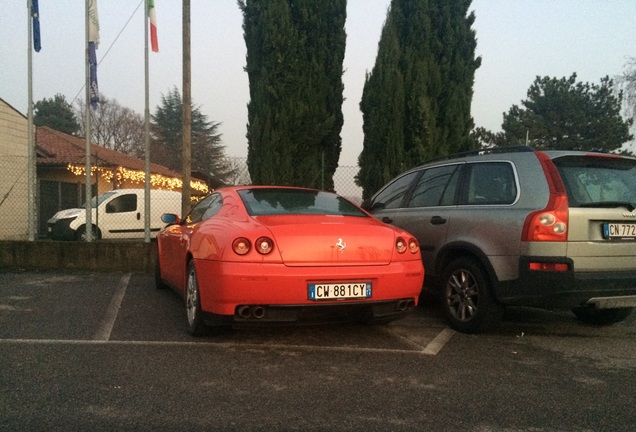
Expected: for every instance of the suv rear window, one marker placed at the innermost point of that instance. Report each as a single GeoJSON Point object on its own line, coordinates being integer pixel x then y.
{"type": "Point", "coordinates": [593, 181]}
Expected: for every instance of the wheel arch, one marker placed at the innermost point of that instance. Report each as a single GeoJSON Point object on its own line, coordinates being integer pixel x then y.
{"type": "Point", "coordinates": [455, 250]}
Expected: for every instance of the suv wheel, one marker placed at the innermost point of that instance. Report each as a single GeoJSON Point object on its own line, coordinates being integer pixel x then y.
{"type": "Point", "coordinates": [467, 298]}
{"type": "Point", "coordinates": [591, 315]}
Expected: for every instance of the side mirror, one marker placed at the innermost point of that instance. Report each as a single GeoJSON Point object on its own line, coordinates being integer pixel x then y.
{"type": "Point", "coordinates": [170, 218]}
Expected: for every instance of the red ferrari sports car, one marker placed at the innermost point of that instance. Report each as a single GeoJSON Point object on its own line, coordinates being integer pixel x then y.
{"type": "Point", "coordinates": [265, 254]}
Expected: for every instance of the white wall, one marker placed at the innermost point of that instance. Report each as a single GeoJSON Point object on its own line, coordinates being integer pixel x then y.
{"type": "Point", "coordinates": [13, 174]}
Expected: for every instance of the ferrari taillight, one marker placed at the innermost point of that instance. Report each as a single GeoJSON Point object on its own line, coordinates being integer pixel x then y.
{"type": "Point", "coordinates": [241, 246]}
{"type": "Point", "coordinates": [414, 246]}
{"type": "Point", "coordinates": [264, 245]}
{"type": "Point", "coordinates": [402, 245]}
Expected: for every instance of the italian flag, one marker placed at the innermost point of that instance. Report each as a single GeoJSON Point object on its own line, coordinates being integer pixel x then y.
{"type": "Point", "coordinates": [153, 26]}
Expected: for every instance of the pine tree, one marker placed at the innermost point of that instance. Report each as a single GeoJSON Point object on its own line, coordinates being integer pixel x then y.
{"type": "Point", "coordinates": [295, 52]}
{"type": "Point", "coordinates": [564, 114]}
{"type": "Point", "coordinates": [208, 154]}
{"type": "Point", "coordinates": [57, 114]}
{"type": "Point", "coordinates": [416, 101]}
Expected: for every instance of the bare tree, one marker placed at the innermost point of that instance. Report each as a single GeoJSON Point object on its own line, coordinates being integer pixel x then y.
{"type": "Point", "coordinates": [238, 174]}
{"type": "Point", "coordinates": [627, 83]}
{"type": "Point", "coordinates": [115, 126]}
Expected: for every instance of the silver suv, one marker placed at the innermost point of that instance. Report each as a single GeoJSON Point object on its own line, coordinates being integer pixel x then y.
{"type": "Point", "coordinates": [553, 229]}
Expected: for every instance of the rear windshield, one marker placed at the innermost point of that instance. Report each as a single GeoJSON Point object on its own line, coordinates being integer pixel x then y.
{"type": "Point", "coordinates": [275, 201]}
{"type": "Point", "coordinates": [597, 181]}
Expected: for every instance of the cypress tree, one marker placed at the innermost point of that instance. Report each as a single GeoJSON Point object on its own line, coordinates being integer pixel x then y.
{"type": "Point", "coordinates": [295, 52]}
{"type": "Point", "coordinates": [416, 101]}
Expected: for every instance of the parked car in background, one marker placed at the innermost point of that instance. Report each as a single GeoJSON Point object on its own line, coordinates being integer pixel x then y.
{"type": "Point", "coordinates": [116, 214]}
{"type": "Point", "coordinates": [256, 255]}
{"type": "Point", "coordinates": [553, 229]}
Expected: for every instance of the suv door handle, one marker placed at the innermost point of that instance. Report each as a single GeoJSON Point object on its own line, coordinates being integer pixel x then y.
{"type": "Point", "coordinates": [438, 220]}
{"type": "Point", "coordinates": [387, 220]}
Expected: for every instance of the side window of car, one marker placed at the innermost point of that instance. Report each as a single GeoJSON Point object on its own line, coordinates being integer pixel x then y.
{"type": "Point", "coordinates": [436, 187]}
{"type": "Point", "coordinates": [197, 212]}
{"type": "Point", "coordinates": [490, 183]}
{"type": "Point", "coordinates": [123, 203]}
{"type": "Point", "coordinates": [391, 197]}
{"type": "Point", "coordinates": [215, 204]}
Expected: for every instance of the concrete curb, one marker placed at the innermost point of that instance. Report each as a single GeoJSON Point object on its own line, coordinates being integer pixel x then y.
{"type": "Point", "coordinates": [120, 256]}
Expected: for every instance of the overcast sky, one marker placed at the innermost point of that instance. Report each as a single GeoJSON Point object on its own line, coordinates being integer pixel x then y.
{"type": "Point", "coordinates": [517, 40]}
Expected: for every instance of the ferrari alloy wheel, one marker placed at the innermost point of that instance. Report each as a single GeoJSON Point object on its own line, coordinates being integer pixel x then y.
{"type": "Point", "coordinates": [196, 326]}
{"type": "Point", "coordinates": [467, 301]}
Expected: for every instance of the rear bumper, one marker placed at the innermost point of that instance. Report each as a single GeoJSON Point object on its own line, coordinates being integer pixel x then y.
{"type": "Point", "coordinates": [368, 312]}
{"type": "Point", "coordinates": [282, 291]}
{"type": "Point", "coordinates": [569, 288]}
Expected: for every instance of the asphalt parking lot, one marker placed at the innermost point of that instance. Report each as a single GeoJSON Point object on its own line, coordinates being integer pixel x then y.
{"type": "Point", "coordinates": [97, 351]}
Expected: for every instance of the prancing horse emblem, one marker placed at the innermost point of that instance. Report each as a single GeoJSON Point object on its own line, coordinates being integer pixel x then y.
{"type": "Point", "coordinates": [341, 245]}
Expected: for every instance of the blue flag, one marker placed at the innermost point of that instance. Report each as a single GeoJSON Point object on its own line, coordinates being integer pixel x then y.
{"type": "Point", "coordinates": [92, 63]}
{"type": "Point", "coordinates": [35, 14]}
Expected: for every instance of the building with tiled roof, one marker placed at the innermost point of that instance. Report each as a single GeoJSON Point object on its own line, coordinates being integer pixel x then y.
{"type": "Point", "coordinates": [61, 171]}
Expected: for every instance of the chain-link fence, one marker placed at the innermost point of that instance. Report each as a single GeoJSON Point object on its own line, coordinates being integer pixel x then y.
{"type": "Point", "coordinates": [118, 209]}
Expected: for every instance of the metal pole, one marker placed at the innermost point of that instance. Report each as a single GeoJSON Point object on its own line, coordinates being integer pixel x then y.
{"type": "Point", "coordinates": [146, 131]}
{"type": "Point", "coordinates": [187, 111]}
{"type": "Point", "coordinates": [87, 128]}
{"type": "Point", "coordinates": [31, 178]}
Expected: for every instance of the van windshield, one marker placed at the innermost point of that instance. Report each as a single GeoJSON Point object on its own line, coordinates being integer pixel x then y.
{"type": "Point", "coordinates": [96, 201]}
{"type": "Point", "coordinates": [596, 181]}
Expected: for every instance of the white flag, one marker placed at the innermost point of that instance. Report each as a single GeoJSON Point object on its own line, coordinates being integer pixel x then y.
{"type": "Point", "coordinates": [93, 23]}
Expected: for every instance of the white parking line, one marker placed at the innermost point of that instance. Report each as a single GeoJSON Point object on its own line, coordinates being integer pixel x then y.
{"type": "Point", "coordinates": [224, 345]}
{"type": "Point", "coordinates": [431, 348]}
{"type": "Point", "coordinates": [106, 327]}
{"type": "Point", "coordinates": [438, 342]}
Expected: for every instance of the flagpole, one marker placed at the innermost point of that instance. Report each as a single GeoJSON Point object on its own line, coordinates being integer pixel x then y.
{"type": "Point", "coordinates": [31, 142]}
{"type": "Point", "coordinates": [87, 128]}
{"type": "Point", "coordinates": [146, 130]}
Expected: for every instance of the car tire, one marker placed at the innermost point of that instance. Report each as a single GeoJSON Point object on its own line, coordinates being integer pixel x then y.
{"type": "Point", "coordinates": [601, 317]}
{"type": "Point", "coordinates": [80, 235]}
{"type": "Point", "coordinates": [467, 298]}
{"type": "Point", "coordinates": [196, 325]}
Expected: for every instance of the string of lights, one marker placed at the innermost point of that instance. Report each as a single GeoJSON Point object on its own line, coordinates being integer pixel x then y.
{"type": "Point", "coordinates": [122, 174]}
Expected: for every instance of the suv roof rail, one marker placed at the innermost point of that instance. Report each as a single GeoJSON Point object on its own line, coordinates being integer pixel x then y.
{"type": "Point", "coordinates": [480, 151]}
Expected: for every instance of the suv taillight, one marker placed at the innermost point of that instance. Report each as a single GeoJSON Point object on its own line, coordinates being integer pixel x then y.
{"type": "Point", "coordinates": [551, 223]}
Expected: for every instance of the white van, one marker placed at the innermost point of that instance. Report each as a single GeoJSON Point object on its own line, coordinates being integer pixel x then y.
{"type": "Point", "coordinates": [116, 214]}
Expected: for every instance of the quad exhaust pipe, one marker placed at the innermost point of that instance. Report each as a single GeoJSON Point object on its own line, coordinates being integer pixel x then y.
{"type": "Point", "coordinates": [247, 312]}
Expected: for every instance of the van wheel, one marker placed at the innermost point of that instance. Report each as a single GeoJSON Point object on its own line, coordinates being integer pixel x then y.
{"type": "Point", "coordinates": [601, 317]}
{"type": "Point", "coordinates": [467, 298]}
{"type": "Point", "coordinates": [81, 233]}
{"type": "Point", "coordinates": [196, 326]}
